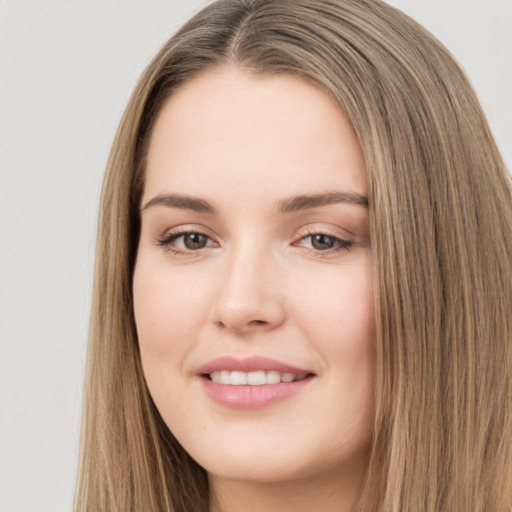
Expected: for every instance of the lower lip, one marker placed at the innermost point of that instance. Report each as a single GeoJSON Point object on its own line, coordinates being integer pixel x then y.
{"type": "Point", "coordinates": [252, 397]}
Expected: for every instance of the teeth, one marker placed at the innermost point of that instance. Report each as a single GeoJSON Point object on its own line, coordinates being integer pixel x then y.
{"type": "Point", "coordinates": [238, 378]}
{"type": "Point", "coordinates": [273, 377]}
{"type": "Point", "coordinates": [256, 378]}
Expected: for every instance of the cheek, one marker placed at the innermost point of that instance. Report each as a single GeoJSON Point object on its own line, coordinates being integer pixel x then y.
{"type": "Point", "coordinates": [339, 308]}
{"type": "Point", "coordinates": [167, 313]}
{"type": "Point", "coordinates": [338, 316]}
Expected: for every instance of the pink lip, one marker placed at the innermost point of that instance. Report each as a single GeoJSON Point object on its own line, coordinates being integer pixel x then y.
{"type": "Point", "coordinates": [250, 364]}
{"type": "Point", "coordinates": [251, 397]}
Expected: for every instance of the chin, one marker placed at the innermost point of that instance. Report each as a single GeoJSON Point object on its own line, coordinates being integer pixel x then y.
{"type": "Point", "coordinates": [275, 463]}
{"type": "Point", "coordinates": [258, 469]}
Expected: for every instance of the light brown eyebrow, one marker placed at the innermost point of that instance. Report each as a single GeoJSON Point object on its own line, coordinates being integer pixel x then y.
{"type": "Point", "coordinates": [304, 202]}
{"type": "Point", "coordinates": [181, 201]}
{"type": "Point", "coordinates": [289, 205]}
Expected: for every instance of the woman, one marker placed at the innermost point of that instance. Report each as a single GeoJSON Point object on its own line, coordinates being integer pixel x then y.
{"type": "Point", "coordinates": [303, 280]}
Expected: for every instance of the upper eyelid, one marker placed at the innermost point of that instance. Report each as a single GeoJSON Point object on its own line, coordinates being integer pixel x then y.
{"type": "Point", "coordinates": [332, 230]}
{"type": "Point", "coordinates": [310, 229]}
{"type": "Point", "coordinates": [187, 228]}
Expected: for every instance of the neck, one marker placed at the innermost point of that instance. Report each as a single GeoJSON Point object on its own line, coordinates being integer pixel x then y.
{"type": "Point", "coordinates": [302, 495]}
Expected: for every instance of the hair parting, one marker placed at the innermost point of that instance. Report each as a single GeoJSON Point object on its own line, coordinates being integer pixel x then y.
{"type": "Point", "coordinates": [440, 202]}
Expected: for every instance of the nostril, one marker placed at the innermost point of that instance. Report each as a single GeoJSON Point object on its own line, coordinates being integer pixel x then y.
{"type": "Point", "coordinates": [257, 322]}
{"type": "Point", "coordinates": [252, 324]}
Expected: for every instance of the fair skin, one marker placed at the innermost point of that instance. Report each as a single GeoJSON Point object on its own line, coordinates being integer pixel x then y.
{"type": "Point", "coordinates": [255, 244]}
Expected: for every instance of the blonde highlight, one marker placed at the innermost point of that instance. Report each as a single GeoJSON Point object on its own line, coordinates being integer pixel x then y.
{"type": "Point", "coordinates": [440, 201]}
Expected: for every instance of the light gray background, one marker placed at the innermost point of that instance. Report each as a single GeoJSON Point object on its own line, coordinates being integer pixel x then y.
{"type": "Point", "coordinates": [66, 71]}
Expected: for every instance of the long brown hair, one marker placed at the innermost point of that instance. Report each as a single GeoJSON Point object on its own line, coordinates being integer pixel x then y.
{"type": "Point", "coordinates": [441, 228]}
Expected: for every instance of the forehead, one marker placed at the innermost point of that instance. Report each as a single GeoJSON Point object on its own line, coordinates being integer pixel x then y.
{"type": "Point", "coordinates": [228, 129]}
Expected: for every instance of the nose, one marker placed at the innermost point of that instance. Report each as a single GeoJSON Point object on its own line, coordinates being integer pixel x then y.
{"type": "Point", "coordinates": [249, 297]}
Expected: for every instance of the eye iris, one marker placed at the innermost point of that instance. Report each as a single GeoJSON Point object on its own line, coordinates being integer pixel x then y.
{"type": "Point", "coordinates": [322, 242]}
{"type": "Point", "coordinates": [194, 241]}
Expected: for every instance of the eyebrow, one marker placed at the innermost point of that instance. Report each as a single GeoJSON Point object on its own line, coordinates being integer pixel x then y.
{"type": "Point", "coordinates": [289, 205]}
{"type": "Point", "coordinates": [180, 201]}
{"type": "Point", "coordinates": [304, 202]}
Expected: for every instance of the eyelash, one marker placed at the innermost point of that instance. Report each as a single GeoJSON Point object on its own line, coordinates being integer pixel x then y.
{"type": "Point", "coordinates": [340, 243]}
{"type": "Point", "coordinates": [166, 242]}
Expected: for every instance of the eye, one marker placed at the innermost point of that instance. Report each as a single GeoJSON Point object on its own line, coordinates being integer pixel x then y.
{"type": "Point", "coordinates": [184, 242]}
{"type": "Point", "coordinates": [323, 242]}
{"type": "Point", "coordinates": [193, 241]}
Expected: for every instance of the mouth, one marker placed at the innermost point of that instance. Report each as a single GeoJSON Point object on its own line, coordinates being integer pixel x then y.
{"type": "Point", "coordinates": [254, 378]}
{"type": "Point", "coordinates": [251, 383]}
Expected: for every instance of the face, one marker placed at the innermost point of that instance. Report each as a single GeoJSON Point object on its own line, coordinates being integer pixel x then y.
{"type": "Point", "coordinates": [253, 281]}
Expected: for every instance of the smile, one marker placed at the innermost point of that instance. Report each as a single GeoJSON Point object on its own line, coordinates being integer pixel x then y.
{"type": "Point", "coordinates": [253, 382]}
{"type": "Point", "coordinates": [254, 378]}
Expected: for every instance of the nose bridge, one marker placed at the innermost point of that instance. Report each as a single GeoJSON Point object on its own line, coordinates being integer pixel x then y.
{"type": "Point", "coordinates": [248, 295]}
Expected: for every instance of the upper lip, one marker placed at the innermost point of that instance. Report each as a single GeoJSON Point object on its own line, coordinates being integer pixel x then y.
{"type": "Point", "coordinates": [249, 364]}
